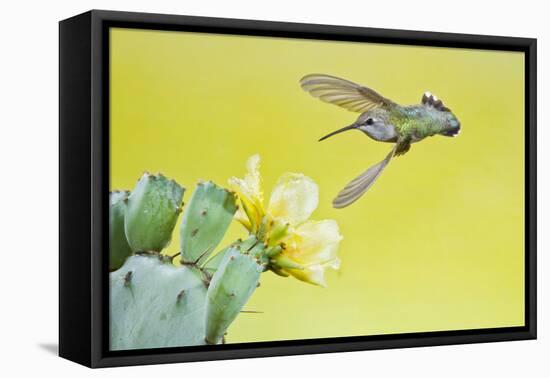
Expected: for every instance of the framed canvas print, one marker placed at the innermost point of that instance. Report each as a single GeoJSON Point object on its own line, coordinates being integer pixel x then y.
{"type": "Point", "coordinates": [233, 188]}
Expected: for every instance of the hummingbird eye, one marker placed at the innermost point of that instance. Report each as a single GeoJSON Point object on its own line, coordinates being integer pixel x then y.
{"type": "Point", "coordinates": [369, 121]}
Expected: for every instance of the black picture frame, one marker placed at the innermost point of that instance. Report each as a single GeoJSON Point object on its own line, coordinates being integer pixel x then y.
{"type": "Point", "coordinates": [84, 179]}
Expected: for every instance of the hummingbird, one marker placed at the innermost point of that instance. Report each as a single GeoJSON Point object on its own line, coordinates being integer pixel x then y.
{"type": "Point", "coordinates": [382, 120]}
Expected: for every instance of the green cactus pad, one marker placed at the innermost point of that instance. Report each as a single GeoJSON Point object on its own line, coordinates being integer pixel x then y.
{"type": "Point", "coordinates": [119, 249]}
{"type": "Point", "coordinates": [214, 262]}
{"type": "Point", "coordinates": [151, 212]}
{"type": "Point", "coordinates": [230, 288]}
{"type": "Point", "coordinates": [154, 304]}
{"type": "Point", "coordinates": [248, 245]}
{"type": "Point", "coordinates": [205, 221]}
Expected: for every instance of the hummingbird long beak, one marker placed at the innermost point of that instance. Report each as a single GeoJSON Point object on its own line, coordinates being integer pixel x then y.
{"type": "Point", "coordinates": [350, 127]}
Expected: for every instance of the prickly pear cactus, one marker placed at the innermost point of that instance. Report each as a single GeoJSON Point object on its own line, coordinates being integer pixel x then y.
{"type": "Point", "coordinates": [151, 212]}
{"type": "Point", "coordinates": [155, 304]}
{"type": "Point", "coordinates": [119, 249]}
{"type": "Point", "coordinates": [205, 221]}
{"type": "Point", "coordinates": [232, 285]}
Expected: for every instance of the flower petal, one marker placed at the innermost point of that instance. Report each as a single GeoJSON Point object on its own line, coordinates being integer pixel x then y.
{"type": "Point", "coordinates": [314, 242]}
{"type": "Point", "coordinates": [249, 190]}
{"type": "Point", "coordinates": [294, 198]}
{"type": "Point", "coordinates": [314, 274]}
{"type": "Point", "coordinates": [242, 218]}
{"type": "Point", "coordinates": [314, 245]}
{"type": "Point", "coordinates": [251, 185]}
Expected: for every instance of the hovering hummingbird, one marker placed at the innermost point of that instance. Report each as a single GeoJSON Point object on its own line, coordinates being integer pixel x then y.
{"type": "Point", "coordinates": [381, 119]}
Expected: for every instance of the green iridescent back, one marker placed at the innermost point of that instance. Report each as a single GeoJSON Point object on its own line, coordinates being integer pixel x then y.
{"type": "Point", "coordinates": [417, 121]}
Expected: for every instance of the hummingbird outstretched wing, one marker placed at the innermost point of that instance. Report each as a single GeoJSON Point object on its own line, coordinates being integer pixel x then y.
{"type": "Point", "coordinates": [355, 189]}
{"type": "Point", "coordinates": [344, 93]}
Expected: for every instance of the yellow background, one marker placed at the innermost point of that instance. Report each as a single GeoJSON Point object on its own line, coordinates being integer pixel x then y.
{"type": "Point", "coordinates": [437, 242]}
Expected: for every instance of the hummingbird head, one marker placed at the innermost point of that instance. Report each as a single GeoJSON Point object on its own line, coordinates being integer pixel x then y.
{"type": "Point", "coordinates": [374, 124]}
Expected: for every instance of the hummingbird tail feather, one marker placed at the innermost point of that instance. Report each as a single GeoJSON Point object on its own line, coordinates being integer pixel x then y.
{"type": "Point", "coordinates": [358, 186]}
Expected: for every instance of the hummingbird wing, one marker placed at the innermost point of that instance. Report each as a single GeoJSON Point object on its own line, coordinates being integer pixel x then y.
{"type": "Point", "coordinates": [355, 189]}
{"type": "Point", "coordinates": [344, 93]}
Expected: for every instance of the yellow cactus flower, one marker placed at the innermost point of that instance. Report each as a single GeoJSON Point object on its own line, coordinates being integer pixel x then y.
{"type": "Point", "coordinates": [299, 247]}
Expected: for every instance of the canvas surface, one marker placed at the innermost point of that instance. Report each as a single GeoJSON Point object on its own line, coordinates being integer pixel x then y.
{"type": "Point", "coordinates": [436, 244]}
